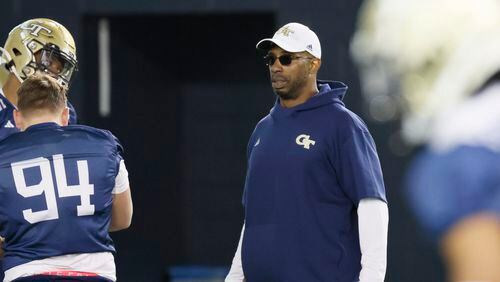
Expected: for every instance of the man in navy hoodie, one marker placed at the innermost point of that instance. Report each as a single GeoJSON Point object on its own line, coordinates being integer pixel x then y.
{"type": "Point", "coordinates": [315, 204]}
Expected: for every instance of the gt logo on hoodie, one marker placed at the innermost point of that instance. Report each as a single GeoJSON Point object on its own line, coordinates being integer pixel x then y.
{"type": "Point", "coordinates": [303, 140]}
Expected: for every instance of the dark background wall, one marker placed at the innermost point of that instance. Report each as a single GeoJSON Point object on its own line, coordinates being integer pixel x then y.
{"type": "Point", "coordinates": [187, 90]}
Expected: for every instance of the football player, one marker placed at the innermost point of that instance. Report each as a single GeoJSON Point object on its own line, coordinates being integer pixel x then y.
{"type": "Point", "coordinates": [62, 190]}
{"type": "Point", "coordinates": [35, 45]}
{"type": "Point", "coordinates": [440, 62]}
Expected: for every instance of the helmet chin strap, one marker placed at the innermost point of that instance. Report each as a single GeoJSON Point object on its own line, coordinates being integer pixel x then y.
{"type": "Point", "coordinates": [13, 70]}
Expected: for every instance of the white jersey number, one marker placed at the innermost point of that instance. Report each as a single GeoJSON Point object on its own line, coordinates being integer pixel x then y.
{"type": "Point", "coordinates": [46, 187]}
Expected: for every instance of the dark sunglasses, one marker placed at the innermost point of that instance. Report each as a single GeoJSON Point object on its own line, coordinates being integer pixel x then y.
{"type": "Point", "coordinates": [285, 60]}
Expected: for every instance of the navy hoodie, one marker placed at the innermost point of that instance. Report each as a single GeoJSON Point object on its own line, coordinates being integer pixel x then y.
{"type": "Point", "coordinates": [308, 168]}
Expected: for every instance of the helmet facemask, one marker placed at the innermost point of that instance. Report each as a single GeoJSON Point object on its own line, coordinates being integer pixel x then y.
{"type": "Point", "coordinates": [55, 63]}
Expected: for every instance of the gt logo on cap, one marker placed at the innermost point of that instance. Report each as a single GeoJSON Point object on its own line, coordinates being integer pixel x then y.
{"type": "Point", "coordinates": [286, 31]}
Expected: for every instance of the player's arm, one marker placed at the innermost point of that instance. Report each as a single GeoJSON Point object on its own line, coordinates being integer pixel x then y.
{"type": "Point", "coordinates": [236, 272]}
{"type": "Point", "coordinates": [122, 210]}
{"type": "Point", "coordinates": [472, 248]}
{"type": "Point", "coordinates": [373, 220]}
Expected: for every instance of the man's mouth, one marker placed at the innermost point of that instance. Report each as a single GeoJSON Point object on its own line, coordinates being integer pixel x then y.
{"type": "Point", "coordinates": [278, 82]}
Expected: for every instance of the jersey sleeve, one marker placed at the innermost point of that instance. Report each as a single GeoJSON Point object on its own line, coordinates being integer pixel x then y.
{"type": "Point", "coordinates": [121, 177]}
{"type": "Point", "coordinates": [442, 188]}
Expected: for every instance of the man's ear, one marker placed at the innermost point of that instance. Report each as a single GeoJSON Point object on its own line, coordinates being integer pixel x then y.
{"type": "Point", "coordinates": [65, 117]}
{"type": "Point", "coordinates": [314, 66]}
{"type": "Point", "coordinates": [18, 119]}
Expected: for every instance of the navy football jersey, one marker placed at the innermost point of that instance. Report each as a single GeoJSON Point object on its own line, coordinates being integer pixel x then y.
{"type": "Point", "coordinates": [56, 191]}
{"type": "Point", "coordinates": [7, 125]}
{"type": "Point", "coordinates": [463, 181]}
{"type": "Point", "coordinates": [73, 117]}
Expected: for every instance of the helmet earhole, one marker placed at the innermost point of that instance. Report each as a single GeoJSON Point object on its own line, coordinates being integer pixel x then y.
{"type": "Point", "coordinates": [16, 52]}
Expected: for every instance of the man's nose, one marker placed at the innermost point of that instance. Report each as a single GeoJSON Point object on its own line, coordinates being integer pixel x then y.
{"type": "Point", "coordinates": [276, 67]}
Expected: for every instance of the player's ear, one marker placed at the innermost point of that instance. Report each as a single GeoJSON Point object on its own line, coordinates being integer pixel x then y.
{"type": "Point", "coordinates": [65, 117]}
{"type": "Point", "coordinates": [18, 119]}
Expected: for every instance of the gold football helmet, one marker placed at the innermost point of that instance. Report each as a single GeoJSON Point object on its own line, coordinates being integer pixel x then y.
{"type": "Point", "coordinates": [39, 44]}
{"type": "Point", "coordinates": [420, 58]}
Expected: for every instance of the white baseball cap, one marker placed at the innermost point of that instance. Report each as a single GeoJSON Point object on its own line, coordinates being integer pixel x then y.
{"type": "Point", "coordinates": [294, 37]}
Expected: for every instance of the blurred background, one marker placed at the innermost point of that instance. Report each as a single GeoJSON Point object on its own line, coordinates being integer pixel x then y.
{"type": "Point", "coordinates": [180, 84]}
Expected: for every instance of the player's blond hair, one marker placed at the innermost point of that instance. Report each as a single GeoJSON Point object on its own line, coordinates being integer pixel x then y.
{"type": "Point", "coordinates": [41, 92]}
